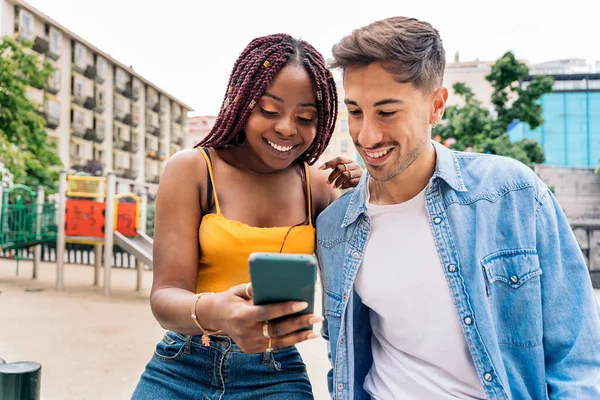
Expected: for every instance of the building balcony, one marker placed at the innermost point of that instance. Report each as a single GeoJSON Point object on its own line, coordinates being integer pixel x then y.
{"type": "Point", "coordinates": [135, 120]}
{"type": "Point", "coordinates": [99, 107]}
{"type": "Point", "coordinates": [119, 144]}
{"type": "Point", "coordinates": [79, 164]}
{"type": "Point", "coordinates": [90, 72]}
{"type": "Point", "coordinates": [79, 66]}
{"type": "Point", "coordinates": [93, 135]}
{"type": "Point", "coordinates": [79, 99]}
{"type": "Point", "coordinates": [153, 130]}
{"type": "Point", "coordinates": [52, 87]}
{"type": "Point", "coordinates": [52, 54]}
{"type": "Point", "coordinates": [131, 173]}
{"type": "Point", "coordinates": [94, 167]}
{"type": "Point", "coordinates": [51, 122]}
{"type": "Point", "coordinates": [41, 45]}
{"type": "Point", "coordinates": [127, 119]}
{"type": "Point", "coordinates": [90, 103]}
{"type": "Point", "coordinates": [78, 130]}
{"type": "Point", "coordinates": [131, 146]}
{"type": "Point", "coordinates": [125, 91]}
{"type": "Point", "coordinates": [99, 79]}
{"type": "Point", "coordinates": [180, 119]}
{"type": "Point", "coordinates": [119, 117]}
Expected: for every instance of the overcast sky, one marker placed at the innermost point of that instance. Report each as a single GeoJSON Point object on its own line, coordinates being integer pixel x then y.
{"type": "Point", "coordinates": [188, 47]}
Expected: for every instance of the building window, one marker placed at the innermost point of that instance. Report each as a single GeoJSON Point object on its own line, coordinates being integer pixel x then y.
{"type": "Point", "coordinates": [78, 87]}
{"type": "Point", "coordinates": [54, 80]}
{"type": "Point", "coordinates": [121, 79]}
{"type": "Point", "coordinates": [344, 146]}
{"type": "Point", "coordinates": [101, 68]}
{"type": "Point", "coordinates": [100, 98]}
{"type": "Point", "coordinates": [53, 111]}
{"type": "Point", "coordinates": [119, 106]}
{"type": "Point", "coordinates": [98, 154]}
{"type": "Point", "coordinates": [80, 55]}
{"type": "Point", "coordinates": [26, 24]}
{"type": "Point", "coordinates": [100, 127]}
{"type": "Point", "coordinates": [77, 118]}
{"type": "Point", "coordinates": [55, 41]}
{"type": "Point", "coordinates": [137, 88]}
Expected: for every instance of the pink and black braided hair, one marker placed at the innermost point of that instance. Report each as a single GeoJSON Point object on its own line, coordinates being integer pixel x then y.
{"type": "Point", "coordinates": [254, 71]}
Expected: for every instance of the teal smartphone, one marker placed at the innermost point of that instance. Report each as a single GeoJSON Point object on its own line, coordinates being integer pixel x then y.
{"type": "Point", "coordinates": [280, 277]}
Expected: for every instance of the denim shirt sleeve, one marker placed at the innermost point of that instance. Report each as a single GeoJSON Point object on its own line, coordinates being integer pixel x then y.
{"type": "Point", "coordinates": [571, 315]}
{"type": "Point", "coordinates": [325, 334]}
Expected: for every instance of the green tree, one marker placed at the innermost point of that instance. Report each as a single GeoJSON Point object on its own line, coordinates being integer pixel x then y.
{"type": "Point", "coordinates": [470, 125]}
{"type": "Point", "coordinates": [150, 214]}
{"type": "Point", "coordinates": [24, 147]}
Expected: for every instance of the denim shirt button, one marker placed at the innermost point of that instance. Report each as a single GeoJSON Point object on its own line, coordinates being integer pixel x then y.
{"type": "Point", "coordinates": [355, 254]}
{"type": "Point", "coordinates": [468, 320]}
{"type": "Point", "coordinates": [514, 279]}
{"type": "Point", "coordinates": [437, 220]}
{"type": "Point", "coordinates": [340, 387]}
{"type": "Point", "coordinates": [452, 268]}
{"type": "Point", "coordinates": [488, 377]}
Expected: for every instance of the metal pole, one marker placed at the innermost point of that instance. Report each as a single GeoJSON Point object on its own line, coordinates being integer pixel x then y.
{"type": "Point", "coordinates": [109, 229]}
{"type": "Point", "coordinates": [98, 247]}
{"type": "Point", "coordinates": [144, 210]}
{"type": "Point", "coordinates": [61, 238]}
{"type": "Point", "coordinates": [1, 205]}
{"type": "Point", "coordinates": [97, 263]}
{"type": "Point", "coordinates": [142, 228]}
{"type": "Point", "coordinates": [37, 253]}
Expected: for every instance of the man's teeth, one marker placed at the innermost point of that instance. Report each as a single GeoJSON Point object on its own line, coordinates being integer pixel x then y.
{"type": "Point", "coordinates": [378, 154]}
{"type": "Point", "coordinates": [283, 149]}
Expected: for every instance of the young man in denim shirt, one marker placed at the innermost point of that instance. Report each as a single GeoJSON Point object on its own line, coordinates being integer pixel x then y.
{"type": "Point", "coordinates": [446, 275]}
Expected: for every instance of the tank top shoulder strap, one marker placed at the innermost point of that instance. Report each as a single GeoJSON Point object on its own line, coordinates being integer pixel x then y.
{"type": "Point", "coordinates": [212, 177]}
{"type": "Point", "coordinates": [308, 194]}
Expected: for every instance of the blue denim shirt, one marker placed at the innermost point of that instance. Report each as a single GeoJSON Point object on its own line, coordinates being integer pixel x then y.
{"type": "Point", "coordinates": [519, 281]}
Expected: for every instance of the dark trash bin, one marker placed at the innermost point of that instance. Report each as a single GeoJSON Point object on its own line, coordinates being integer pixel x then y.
{"type": "Point", "coordinates": [20, 380]}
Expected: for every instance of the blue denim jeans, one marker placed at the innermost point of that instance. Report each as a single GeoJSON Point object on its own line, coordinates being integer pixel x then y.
{"type": "Point", "coordinates": [182, 368]}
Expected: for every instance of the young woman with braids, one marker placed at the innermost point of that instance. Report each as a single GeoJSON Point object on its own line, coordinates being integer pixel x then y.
{"type": "Point", "coordinates": [251, 185]}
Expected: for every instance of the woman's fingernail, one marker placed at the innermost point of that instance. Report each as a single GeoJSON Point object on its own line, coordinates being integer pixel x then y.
{"type": "Point", "coordinates": [299, 306]}
{"type": "Point", "coordinates": [315, 320]}
{"type": "Point", "coordinates": [313, 335]}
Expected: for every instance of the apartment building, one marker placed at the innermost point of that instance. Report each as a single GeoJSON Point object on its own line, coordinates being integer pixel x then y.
{"type": "Point", "coordinates": [102, 114]}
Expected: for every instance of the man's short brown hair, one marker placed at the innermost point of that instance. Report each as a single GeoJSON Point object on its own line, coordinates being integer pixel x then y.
{"type": "Point", "coordinates": [410, 49]}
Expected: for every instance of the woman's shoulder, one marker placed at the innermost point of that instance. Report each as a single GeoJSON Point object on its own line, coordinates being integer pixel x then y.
{"type": "Point", "coordinates": [186, 165]}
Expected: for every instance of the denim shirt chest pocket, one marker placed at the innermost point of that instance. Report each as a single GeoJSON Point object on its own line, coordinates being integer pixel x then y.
{"type": "Point", "coordinates": [514, 292]}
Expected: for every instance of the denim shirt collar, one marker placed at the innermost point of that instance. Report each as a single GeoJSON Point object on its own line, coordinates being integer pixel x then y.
{"type": "Point", "coordinates": [447, 169]}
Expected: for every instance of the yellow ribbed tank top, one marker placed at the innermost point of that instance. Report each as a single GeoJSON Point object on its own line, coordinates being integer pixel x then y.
{"type": "Point", "coordinates": [226, 244]}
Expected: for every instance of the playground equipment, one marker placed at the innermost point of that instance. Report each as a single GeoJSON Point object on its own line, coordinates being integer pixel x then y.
{"type": "Point", "coordinates": [26, 220]}
{"type": "Point", "coordinates": [88, 212]}
{"type": "Point", "coordinates": [84, 216]}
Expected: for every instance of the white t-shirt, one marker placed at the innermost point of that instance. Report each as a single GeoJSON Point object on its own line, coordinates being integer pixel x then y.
{"type": "Point", "coordinates": [419, 351]}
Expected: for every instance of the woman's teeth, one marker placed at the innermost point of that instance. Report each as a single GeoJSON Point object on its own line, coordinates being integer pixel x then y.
{"type": "Point", "coordinates": [282, 149]}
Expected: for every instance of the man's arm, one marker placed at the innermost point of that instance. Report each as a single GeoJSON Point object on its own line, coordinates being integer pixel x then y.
{"type": "Point", "coordinates": [571, 316]}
